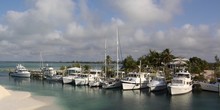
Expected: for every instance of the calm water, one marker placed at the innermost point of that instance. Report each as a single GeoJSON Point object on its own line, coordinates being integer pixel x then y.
{"type": "Point", "coordinates": [84, 98]}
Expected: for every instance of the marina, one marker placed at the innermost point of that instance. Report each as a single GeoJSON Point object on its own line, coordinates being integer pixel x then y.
{"type": "Point", "coordinates": [70, 97]}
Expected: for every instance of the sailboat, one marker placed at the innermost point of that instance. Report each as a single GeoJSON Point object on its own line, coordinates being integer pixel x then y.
{"type": "Point", "coordinates": [49, 73]}
{"type": "Point", "coordinates": [116, 82]}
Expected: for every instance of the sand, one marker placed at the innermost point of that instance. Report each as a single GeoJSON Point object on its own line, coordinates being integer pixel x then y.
{"type": "Point", "coordinates": [17, 100]}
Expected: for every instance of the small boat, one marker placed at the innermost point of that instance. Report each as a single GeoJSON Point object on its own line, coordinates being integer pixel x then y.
{"type": "Point", "coordinates": [211, 86]}
{"type": "Point", "coordinates": [48, 72]}
{"type": "Point", "coordinates": [135, 81]}
{"type": "Point", "coordinates": [111, 83]}
{"type": "Point", "coordinates": [82, 80]}
{"type": "Point", "coordinates": [96, 83]}
{"type": "Point", "coordinates": [157, 83]}
{"type": "Point", "coordinates": [20, 71]}
{"type": "Point", "coordinates": [72, 73]}
{"type": "Point", "coordinates": [181, 83]}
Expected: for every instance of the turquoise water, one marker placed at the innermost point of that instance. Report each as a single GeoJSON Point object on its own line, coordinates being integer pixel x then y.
{"type": "Point", "coordinates": [84, 98]}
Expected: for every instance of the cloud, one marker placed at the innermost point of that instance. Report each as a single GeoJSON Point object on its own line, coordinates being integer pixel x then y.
{"type": "Point", "coordinates": [148, 11]}
{"type": "Point", "coordinates": [76, 30]}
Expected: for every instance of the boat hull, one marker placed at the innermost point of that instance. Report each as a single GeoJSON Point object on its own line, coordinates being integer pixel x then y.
{"type": "Point", "coordinates": [177, 90]}
{"type": "Point", "coordinates": [81, 82]}
{"type": "Point", "coordinates": [95, 84]}
{"type": "Point", "coordinates": [115, 84]}
{"type": "Point", "coordinates": [132, 86]}
{"type": "Point", "coordinates": [210, 87]}
{"type": "Point", "coordinates": [22, 75]}
{"type": "Point", "coordinates": [157, 88]}
{"type": "Point", "coordinates": [68, 80]}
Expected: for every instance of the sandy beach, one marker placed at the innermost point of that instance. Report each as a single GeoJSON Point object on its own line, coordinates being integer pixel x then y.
{"type": "Point", "coordinates": [17, 100]}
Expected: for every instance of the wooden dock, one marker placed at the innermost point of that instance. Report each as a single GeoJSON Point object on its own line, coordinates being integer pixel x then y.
{"type": "Point", "coordinates": [36, 74]}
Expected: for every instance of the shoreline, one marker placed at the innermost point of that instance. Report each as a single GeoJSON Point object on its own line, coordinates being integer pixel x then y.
{"type": "Point", "coordinates": [22, 100]}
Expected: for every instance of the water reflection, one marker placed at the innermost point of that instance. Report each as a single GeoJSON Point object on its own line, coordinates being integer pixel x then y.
{"type": "Point", "coordinates": [19, 81]}
{"type": "Point", "coordinates": [181, 102]}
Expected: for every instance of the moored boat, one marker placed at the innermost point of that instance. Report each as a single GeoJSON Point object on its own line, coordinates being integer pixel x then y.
{"type": "Point", "coordinates": [211, 86]}
{"type": "Point", "coordinates": [72, 73]}
{"type": "Point", "coordinates": [135, 81]}
{"type": "Point", "coordinates": [157, 83]}
{"type": "Point", "coordinates": [20, 71]}
{"type": "Point", "coordinates": [181, 83]}
{"type": "Point", "coordinates": [111, 83]}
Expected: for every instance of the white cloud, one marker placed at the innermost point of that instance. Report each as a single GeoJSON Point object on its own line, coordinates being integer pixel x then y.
{"type": "Point", "coordinates": [148, 11]}
{"type": "Point", "coordinates": [73, 30]}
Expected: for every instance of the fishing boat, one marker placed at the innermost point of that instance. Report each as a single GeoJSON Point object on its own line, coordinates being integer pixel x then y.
{"type": "Point", "coordinates": [72, 73]}
{"type": "Point", "coordinates": [211, 86]}
{"type": "Point", "coordinates": [20, 71]}
{"type": "Point", "coordinates": [181, 83]}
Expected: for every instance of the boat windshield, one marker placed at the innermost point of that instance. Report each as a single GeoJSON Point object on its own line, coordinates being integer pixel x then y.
{"type": "Point", "coordinates": [177, 81]}
{"type": "Point", "coordinates": [183, 75]}
{"type": "Point", "coordinates": [133, 75]}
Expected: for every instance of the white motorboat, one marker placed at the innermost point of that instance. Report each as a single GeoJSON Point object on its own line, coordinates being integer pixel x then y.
{"type": "Point", "coordinates": [135, 81]}
{"type": "Point", "coordinates": [211, 86]}
{"type": "Point", "coordinates": [181, 83]}
{"type": "Point", "coordinates": [96, 82]}
{"type": "Point", "coordinates": [157, 83]}
{"type": "Point", "coordinates": [72, 73]}
{"type": "Point", "coordinates": [82, 79]}
{"type": "Point", "coordinates": [48, 72]}
{"type": "Point", "coordinates": [20, 71]}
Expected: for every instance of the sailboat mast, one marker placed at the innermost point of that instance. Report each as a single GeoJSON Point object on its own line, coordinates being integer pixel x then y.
{"type": "Point", "coordinates": [105, 58]}
{"type": "Point", "coordinates": [42, 62]}
{"type": "Point", "coordinates": [117, 51]}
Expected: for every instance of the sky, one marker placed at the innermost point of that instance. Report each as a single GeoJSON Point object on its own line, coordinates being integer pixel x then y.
{"type": "Point", "coordinates": [76, 30]}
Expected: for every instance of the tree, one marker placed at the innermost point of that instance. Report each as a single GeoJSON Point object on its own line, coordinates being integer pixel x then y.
{"type": "Point", "coordinates": [86, 68]}
{"type": "Point", "coordinates": [217, 66]}
{"type": "Point", "coordinates": [197, 65]}
{"type": "Point", "coordinates": [166, 56]}
{"type": "Point", "coordinates": [154, 58]}
{"type": "Point", "coordinates": [129, 64]}
{"type": "Point", "coordinates": [109, 68]}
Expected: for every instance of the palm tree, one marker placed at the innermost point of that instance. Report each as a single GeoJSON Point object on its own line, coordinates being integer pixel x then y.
{"type": "Point", "coordinates": [166, 56]}
{"type": "Point", "coordinates": [129, 64]}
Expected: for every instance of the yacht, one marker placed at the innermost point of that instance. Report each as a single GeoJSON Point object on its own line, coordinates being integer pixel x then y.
{"type": "Point", "coordinates": [157, 83]}
{"type": "Point", "coordinates": [20, 71]}
{"type": "Point", "coordinates": [135, 81]}
{"type": "Point", "coordinates": [72, 73]}
{"type": "Point", "coordinates": [211, 86]}
{"type": "Point", "coordinates": [181, 83]}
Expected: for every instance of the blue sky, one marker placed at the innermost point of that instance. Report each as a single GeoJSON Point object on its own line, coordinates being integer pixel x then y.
{"type": "Point", "coordinates": [67, 30]}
